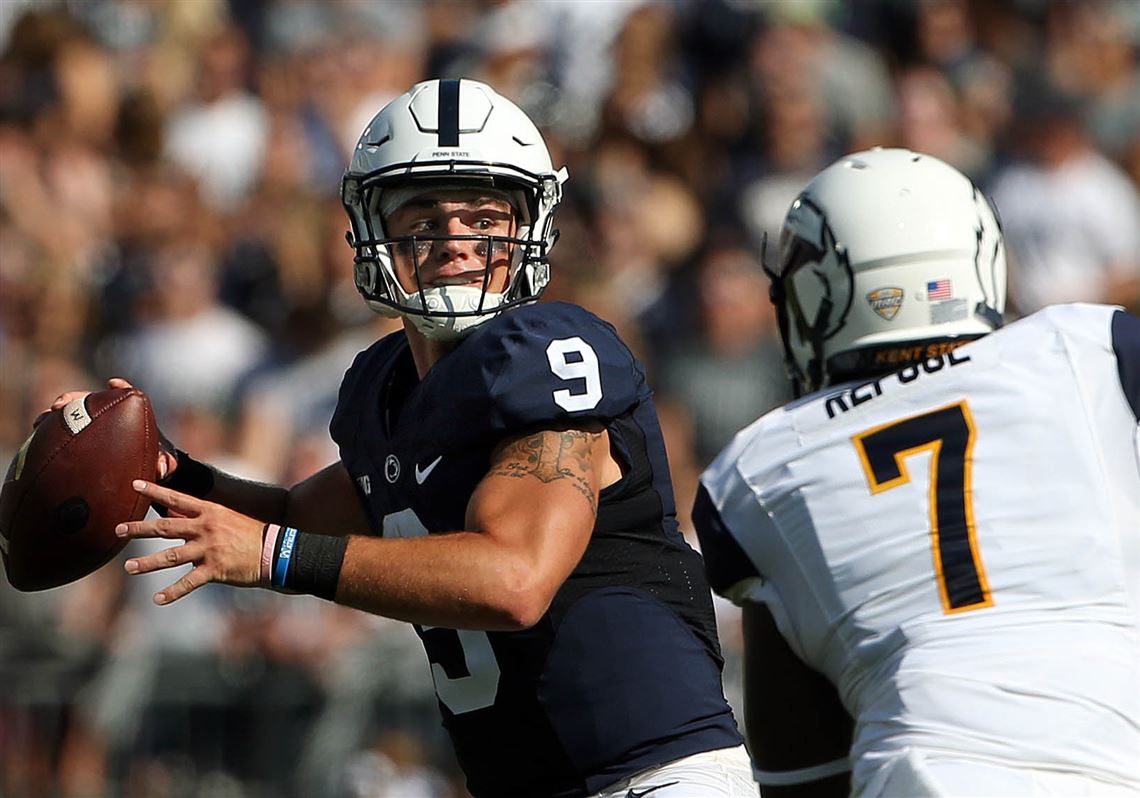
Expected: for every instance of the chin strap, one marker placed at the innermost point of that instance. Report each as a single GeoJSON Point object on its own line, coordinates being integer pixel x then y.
{"type": "Point", "coordinates": [989, 314]}
{"type": "Point", "coordinates": [776, 296]}
{"type": "Point", "coordinates": [817, 330]}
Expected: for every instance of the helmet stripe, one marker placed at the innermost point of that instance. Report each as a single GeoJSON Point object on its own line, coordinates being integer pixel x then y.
{"type": "Point", "coordinates": [448, 113]}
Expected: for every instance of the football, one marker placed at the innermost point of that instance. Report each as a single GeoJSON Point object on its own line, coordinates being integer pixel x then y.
{"type": "Point", "coordinates": [69, 485]}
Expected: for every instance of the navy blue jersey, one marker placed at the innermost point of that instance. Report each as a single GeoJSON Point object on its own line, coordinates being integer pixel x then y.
{"type": "Point", "coordinates": [623, 671]}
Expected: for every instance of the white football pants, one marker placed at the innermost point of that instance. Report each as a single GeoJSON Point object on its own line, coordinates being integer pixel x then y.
{"type": "Point", "coordinates": [726, 773]}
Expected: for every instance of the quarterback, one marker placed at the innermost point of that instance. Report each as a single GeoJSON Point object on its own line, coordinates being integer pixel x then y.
{"type": "Point", "coordinates": [502, 483]}
{"type": "Point", "coordinates": [937, 545]}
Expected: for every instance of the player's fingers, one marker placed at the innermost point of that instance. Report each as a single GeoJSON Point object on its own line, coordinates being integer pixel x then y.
{"type": "Point", "coordinates": [64, 398]}
{"type": "Point", "coordinates": [182, 527]}
{"type": "Point", "coordinates": [67, 396]}
{"type": "Point", "coordinates": [187, 584]}
{"type": "Point", "coordinates": [165, 462]}
{"type": "Point", "coordinates": [167, 558]}
{"type": "Point", "coordinates": [171, 499]}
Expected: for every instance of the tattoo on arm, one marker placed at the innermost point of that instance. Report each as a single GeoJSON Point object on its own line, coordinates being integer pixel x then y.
{"type": "Point", "coordinates": [550, 455]}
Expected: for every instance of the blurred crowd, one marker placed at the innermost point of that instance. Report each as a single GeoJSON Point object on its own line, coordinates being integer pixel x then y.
{"type": "Point", "coordinates": [169, 214]}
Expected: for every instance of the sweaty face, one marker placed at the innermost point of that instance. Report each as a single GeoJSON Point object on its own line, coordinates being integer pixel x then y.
{"type": "Point", "coordinates": [443, 261]}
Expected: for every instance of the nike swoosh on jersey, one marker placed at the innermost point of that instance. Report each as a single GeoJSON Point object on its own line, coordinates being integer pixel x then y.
{"type": "Point", "coordinates": [422, 475]}
{"type": "Point", "coordinates": [638, 793]}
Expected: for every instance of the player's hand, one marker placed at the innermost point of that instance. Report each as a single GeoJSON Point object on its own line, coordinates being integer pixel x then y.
{"type": "Point", "coordinates": [167, 461]}
{"type": "Point", "coordinates": [223, 545]}
{"type": "Point", "coordinates": [70, 396]}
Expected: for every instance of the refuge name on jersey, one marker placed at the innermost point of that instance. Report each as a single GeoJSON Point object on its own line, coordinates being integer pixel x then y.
{"type": "Point", "coordinates": [583, 698]}
{"type": "Point", "coordinates": [939, 542]}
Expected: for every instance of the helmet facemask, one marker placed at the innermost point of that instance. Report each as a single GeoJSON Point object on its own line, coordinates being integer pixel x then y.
{"type": "Point", "coordinates": [812, 289]}
{"type": "Point", "coordinates": [449, 312]}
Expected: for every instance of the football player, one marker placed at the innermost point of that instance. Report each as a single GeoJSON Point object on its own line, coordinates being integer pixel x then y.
{"type": "Point", "coordinates": [502, 483]}
{"type": "Point", "coordinates": [937, 545]}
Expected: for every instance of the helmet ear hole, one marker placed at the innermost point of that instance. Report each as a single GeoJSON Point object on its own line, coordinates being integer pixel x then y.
{"type": "Point", "coordinates": [366, 275]}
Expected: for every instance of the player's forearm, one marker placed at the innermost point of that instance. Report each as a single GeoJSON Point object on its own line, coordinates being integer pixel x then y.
{"type": "Point", "coordinates": [463, 580]}
{"type": "Point", "coordinates": [255, 499]}
{"type": "Point", "coordinates": [325, 503]}
{"type": "Point", "coordinates": [308, 505]}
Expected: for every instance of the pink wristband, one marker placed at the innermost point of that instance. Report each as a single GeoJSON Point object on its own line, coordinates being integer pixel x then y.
{"type": "Point", "coordinates": [268, 545]}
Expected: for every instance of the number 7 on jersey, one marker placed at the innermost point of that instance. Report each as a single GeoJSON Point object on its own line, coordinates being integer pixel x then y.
{"type": "Point", "coordinates": [948, 434]}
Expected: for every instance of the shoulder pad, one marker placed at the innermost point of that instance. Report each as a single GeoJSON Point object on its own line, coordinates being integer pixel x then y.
{"type": "Point", "coordinates": [1077, 320]}
{"type": "Point", "coordinates": [550, 364]}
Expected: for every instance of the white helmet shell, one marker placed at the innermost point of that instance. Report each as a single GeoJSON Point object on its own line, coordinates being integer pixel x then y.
{"type": "Point", "coordinates": [886, 257]}
{"type": "Point", "coordinates": [452, 133]}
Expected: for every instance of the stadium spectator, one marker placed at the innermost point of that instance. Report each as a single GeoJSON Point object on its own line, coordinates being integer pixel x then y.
{"type": "Point", "coordinates": [220, 136]}
{"type": "Point", "coordinates": [930, 122]}
{"type": "Point", "coordinates": [193, 349]}
{"type": "Point", "coordinates": [731, 371]}
{"type": "Point", "coordinates": [1071, 216]}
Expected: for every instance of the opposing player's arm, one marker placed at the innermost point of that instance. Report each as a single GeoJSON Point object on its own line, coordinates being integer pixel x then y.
{"type": "Point", "coordinates": [798, 731]}
{"type": "Point", "coordinates": [529, 521]}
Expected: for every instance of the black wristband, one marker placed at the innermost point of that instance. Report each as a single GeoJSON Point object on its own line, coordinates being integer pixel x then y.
{"type": "Point", "coordinates": [313, 564]}
{"type": "Point", "coordinates": [190, 477]}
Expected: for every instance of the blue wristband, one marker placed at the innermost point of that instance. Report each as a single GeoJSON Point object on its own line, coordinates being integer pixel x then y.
{"type": "Point", "coordinates": [284, 554]}
{"type": "Point", "coordinates": [306, 563]}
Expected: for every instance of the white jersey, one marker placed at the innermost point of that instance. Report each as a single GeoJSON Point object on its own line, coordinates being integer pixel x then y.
{"type": "Point", "coordinates": [957, 548]}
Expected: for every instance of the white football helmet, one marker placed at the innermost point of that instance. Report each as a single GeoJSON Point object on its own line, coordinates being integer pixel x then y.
{"type": "Point", "coordinates": [451, 133]}
{"type": "Point", "coordinates": [886, 256]}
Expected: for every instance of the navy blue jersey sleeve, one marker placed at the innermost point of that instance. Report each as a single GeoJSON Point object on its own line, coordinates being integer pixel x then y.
{"type": "Point", "coordinates": [1126, 345]}
{"type": "Point", "coordinates": [725, 562]}
{"type": "Point", "coordinates": [553, 364]}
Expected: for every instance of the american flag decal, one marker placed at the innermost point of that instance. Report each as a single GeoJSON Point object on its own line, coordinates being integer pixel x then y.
{"type": "Point", "coordinates": [938, 289]}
